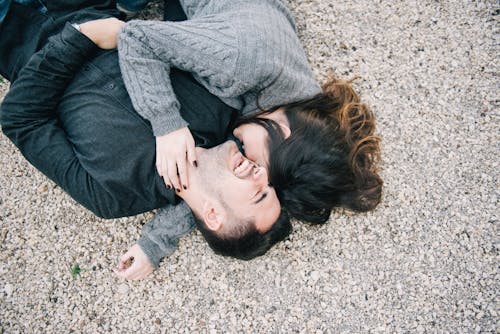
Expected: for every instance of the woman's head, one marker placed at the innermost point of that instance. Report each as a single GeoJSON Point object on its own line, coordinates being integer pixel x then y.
{"type": "Point", "coordinates": [258, 132]}
{"type": "Point", "coordinates": [329, 158]}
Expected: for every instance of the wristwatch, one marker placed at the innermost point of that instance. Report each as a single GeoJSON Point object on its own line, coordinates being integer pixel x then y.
{"type": "Point", "coordinates": [76, 26]}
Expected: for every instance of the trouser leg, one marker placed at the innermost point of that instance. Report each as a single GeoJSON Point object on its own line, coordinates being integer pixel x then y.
{"type": "Point", "coordinates": [133, 5]}
{"type": "Point", "coordinates": [21, 33]}
{"type": "Point", "coordinates": [173, 11]}
{"type": "Point", "coordinates": [25, 29]}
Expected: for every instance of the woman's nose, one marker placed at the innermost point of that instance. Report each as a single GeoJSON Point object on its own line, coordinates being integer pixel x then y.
{"type": "Point", "coordinates": [260, 174]}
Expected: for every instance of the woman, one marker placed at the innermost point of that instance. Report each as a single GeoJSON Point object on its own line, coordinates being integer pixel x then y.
{"type": "Point", "coordinates": [320, 149]}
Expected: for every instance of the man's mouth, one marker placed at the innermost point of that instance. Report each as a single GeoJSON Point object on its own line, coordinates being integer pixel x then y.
{"type": "Point", "coordinates": [242, 167]}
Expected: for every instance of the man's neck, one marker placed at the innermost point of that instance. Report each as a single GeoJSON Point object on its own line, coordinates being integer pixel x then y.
{"type": "Point", "coordinates": [191, 197]}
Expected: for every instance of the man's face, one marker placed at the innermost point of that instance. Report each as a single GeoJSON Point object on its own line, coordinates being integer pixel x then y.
{"type": "Point", "coordinates": [242, 185]}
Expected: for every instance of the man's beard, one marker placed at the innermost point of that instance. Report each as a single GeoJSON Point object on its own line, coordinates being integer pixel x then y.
{"type": "Point", "coordinates": [212, 168]}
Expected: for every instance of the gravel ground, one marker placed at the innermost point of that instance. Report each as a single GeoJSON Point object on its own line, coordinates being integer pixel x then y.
{"type": "Point", "coordinates": [425, 261]}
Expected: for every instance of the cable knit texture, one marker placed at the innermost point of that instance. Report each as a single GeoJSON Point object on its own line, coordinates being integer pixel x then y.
{"type": "Point", "coordinates": [236, 49]}
{"type": "Point", "coordinates": [161, 235]}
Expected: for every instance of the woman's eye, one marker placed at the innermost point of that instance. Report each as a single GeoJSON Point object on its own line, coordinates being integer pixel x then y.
{"type": "Point", "coordinates": [241, 147]}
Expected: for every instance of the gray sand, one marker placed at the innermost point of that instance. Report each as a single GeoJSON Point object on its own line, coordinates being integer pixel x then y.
{"type": "Point", "coordinates": [424, 261]}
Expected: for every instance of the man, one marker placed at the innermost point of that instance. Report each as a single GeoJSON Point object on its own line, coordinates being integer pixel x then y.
{"type": "Point", "coordinates": [68, 112]}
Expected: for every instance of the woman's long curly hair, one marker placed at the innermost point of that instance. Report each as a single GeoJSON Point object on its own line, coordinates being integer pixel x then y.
{"type": "Point", "coordinates": [330, 159]}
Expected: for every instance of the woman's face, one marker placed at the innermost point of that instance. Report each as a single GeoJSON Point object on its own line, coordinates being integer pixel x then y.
{"type": "Point", "coordinates": [254, 139]}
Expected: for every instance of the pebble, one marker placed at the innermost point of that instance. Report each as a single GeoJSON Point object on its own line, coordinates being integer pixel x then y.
{"type": "Point", "coordinates": [9, 289]}
{"type": "Point", "coordinates": [123, 288]}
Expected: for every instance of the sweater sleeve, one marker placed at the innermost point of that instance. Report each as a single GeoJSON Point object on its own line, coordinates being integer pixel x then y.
{"type": "Point", "coordinates": [161, 234]}
{"type": "Point", "coordinates": [206, 47]}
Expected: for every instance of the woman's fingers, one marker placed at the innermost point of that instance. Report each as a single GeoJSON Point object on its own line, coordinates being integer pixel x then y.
{"type": "Point", "coordinates": [186, 156]}
{"type": "Point", "coordinates": [191, 152]}
{"type": "Point", "coordinates": [173, 153]}
{"type": "Point", "coordinates": [161, 166]}
{"type": "Point", "coordinates": [172, 175]}
{"type": "Point", "coordinates": [182, 169]}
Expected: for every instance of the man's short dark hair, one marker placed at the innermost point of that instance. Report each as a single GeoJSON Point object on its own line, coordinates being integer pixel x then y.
{"type": "Point", "coordinates": [245, 242]}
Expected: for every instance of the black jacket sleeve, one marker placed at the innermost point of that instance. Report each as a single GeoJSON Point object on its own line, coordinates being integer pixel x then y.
{"type": "Point", "coordinates": [29, 116]}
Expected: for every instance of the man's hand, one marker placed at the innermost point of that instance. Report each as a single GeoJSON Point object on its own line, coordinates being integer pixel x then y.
{"type": "Point", "coordinates": [103, 32]}
{"type": "Point", "coordinates": [134, 264]}
{"type": "Point", "coordinates": [173, 151]}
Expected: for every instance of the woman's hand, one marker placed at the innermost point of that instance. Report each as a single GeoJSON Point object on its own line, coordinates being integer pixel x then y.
{"type": "Point", "coordinates": [103, 32]}
{"type": "Point", "coordinates": [173, 151]}
{"type": "Point", "coordinates": [134, 264]}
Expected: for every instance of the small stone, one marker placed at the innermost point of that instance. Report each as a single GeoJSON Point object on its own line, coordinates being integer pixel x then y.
{"type": "Point", "coordinates": [43, 188]}
{"type": "Point", "coordinates": [123, 288]}
{"type": "Point", "coordinates": [3, 235]}
{"type": "Point", "coordinates": [9, 289]}
{"type": "Point", "coordinates": [158, 321]}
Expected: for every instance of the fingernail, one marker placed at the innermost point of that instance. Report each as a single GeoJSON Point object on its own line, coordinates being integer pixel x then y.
{"type": "Point", "coordinates": [178, 190]}
{"type": "Point", "coordinates": [195, 163]}
{"type": "Point", "coordinates": [183, 186]}
{"type": "Point", "coordinates": [169, 186]}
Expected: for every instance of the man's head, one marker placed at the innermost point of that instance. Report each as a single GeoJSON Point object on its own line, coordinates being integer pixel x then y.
{"type": "Point", "coordinates": [237, 210]}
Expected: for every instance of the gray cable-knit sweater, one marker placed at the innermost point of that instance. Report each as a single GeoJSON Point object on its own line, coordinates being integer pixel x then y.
{"type": "Point", "coordinates": [237, 49]}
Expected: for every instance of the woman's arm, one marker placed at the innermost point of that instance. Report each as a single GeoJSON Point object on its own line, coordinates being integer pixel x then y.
{"type": "Point", "coordinates": [149, 49]}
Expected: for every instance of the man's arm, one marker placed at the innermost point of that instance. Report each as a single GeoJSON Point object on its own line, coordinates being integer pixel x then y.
{"type": "Point", "coordinates": [160, 235]}
{"type": "Point", "coordinates": [29, 118]}
{"type": "Point", "coordinates": [28, 112]}
{"type": "Point", "coordinates": [44, 80]}
{"type": "Point", "coordinates": [159, 238]}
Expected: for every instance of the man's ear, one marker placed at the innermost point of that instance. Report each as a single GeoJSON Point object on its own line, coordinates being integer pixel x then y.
{"type": "Point", "coordinates": [285, 128]}
{"type": "Point", "coordinates": [214, 215]}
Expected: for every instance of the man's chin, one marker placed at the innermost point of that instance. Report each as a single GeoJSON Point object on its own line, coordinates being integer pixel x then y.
{"type": "Point", "coordinates": [215, 157]}
{"type": "Point", "coordinates": [223, 149]}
